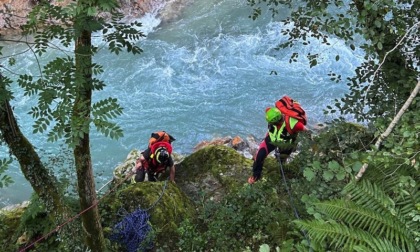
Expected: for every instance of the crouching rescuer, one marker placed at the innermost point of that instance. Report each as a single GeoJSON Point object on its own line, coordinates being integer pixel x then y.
{"type": "Point", "coordinates": [156, 159]}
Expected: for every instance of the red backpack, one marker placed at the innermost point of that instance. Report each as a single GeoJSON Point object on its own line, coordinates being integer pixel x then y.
{"type": "Point", "coordinates": [291, 108]}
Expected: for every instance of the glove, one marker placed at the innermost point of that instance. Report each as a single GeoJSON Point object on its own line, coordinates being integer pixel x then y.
{"type": "Point", "coordinates": [137, 166]}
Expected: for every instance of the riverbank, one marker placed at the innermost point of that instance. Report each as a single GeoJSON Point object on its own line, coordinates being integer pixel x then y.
{"type": "Point", "coordinates": [13, 13]}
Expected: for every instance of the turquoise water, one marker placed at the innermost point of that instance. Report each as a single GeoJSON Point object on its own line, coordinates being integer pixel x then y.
{"type": "Point", "coordinates": [202, 75]}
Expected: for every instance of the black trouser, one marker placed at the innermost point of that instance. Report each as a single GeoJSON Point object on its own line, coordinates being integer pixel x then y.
{"type": "Point", "coordinates": [140, 175]}
{"type": "Point", "coordinates": [264, 149]}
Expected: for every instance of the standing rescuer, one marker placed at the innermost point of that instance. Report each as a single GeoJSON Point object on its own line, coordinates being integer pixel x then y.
{"type": "Point", "coordinates": [282, 134]}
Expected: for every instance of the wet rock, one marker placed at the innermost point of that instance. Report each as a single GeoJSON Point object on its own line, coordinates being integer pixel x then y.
{"type": "Point", "coordinates": [247, 147]}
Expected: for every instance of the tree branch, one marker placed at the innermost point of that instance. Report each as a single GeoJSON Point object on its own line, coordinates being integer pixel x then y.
{"type": "Point", "coordinates": [391, 126]}
{"type": "Point", "coordinates": [386, 55]}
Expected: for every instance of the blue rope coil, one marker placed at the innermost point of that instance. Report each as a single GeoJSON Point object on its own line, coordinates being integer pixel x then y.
{"type": "Point", "coordinates": [133, 231]}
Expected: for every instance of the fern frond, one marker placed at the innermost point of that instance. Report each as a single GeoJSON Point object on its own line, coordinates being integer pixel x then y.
{"type": "Point", "coordinates": [379, 245]}
{"type": "Point", "coordinates": [387, 176]}
{"type": "Point", "coordinates": [379, 224]}
{"type": "Point", "coordinates": [407, 203]}
{"type": "Point", "coordinates": [369, 195]}
{"type": "Point", "coordinates": [344, 238]}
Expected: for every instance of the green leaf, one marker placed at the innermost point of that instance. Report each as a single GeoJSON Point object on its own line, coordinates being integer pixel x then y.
{"type": "Point", "coordinates": [356, 166]}
{"type": "Point", "coordinates": [328, 175]}
{"type": "Point", "coordinates": [264, 248]}
{"type": "Point", "coordinates": [91, 11]}
{"type": "Point", "coordinates": [316, 165]}
{"type": "Point", "coordinates": [12, 61]}
{"type": "Point", "coordinates": [340, 175]}
{"type": "Point", "coordinates": [333, 165]}
{"type": "Point", "coordinates": [308, 174]}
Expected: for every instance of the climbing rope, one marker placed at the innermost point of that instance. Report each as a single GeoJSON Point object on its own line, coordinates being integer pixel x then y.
{"type": "Point", "coordinates": [160, 196]}
{"type": "Point", "coordinates": [133, 231]}
{"type": "Point", "coordinates": [277, 154]}
{"type": "Point", "coordinates": [100, 189]}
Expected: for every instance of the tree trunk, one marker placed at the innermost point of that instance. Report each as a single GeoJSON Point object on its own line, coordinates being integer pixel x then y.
{"type": "Point", "coordinates": [43, 183]}
{"type": "Point", "coordinates": [80, 123]}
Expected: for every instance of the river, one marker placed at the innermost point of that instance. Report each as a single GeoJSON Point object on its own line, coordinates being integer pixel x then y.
{"type": "Point", "coordinates": [204, 74]}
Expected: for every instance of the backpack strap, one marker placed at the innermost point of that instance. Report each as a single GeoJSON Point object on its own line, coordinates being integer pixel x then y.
{"type": "Point", "coordinates": [287, 122]}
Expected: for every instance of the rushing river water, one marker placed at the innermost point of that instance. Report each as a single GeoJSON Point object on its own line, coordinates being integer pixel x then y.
{"type": "Point", "coordinates": [203, 75]}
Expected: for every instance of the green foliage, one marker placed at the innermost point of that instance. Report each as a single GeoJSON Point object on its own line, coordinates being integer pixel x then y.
{"type": "Point", "coordinates": [34, 223]}
{"type": "Point", "coordinates": [377, 214]}
{"type": "Point", "coordinates": [48, 18]}
{"type": "Point", "coordinates": [5, 93]}
{"type": "Point", "coordinates": [122, 34]}
{"type": "Point", "coordinates": [104, 110]}
{"type": "Point", "coordinates": [5, 180]}
{"type": "Point", "coordinates": [9, 221]}
{"type": "Point", "coordinates": [189, 240]}
{"type": "Point", "coordinates": [380, 212]}
{"type": "Point", "coordinates": [331, 159]}
{"type": "Point", "coordinates": [402, 145]}
{"type": "Point", "coordinates": [252, 216]}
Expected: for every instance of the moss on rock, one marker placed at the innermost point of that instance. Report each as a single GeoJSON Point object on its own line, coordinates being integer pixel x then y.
{"type": "Point", "coordinates": [9, 222]}
{"type": "Point", "coordinates": [165, 202]}
{"type": "Point", "coordinates": [212, 172]}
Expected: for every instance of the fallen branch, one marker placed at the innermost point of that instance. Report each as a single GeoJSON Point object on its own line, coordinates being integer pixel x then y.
{"type": "Point", "coordinates": [391, 126]}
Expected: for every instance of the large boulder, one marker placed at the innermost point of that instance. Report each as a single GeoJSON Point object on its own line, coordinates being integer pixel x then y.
{"type": "Point", "coordinates": [212, 172]}
{"type": "Point", "coordinates": [163, 201]}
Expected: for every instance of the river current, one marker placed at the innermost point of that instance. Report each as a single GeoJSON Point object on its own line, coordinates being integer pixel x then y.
{"type": "Point", "coordinates": [204, 74]}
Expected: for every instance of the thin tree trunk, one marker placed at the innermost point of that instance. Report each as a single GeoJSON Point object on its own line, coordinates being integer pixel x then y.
{"type": "Point", "coordinates": [80, 119]}
{"type": "Point", "coordinates": [391, 126]}
{"type": "Point", "coordinates": [43, 183]}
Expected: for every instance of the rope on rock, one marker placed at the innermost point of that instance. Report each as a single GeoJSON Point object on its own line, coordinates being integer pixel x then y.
{"type": "Point", "coordinates": [132, 232]}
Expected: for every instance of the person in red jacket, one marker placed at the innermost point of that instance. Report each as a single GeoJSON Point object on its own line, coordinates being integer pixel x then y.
{"type": "Point", "coordinates": [154, 161]}
{"type": "Point", "coordinates": [282, 134]}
